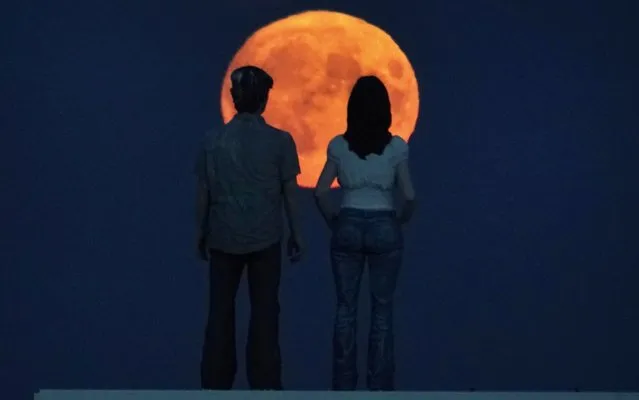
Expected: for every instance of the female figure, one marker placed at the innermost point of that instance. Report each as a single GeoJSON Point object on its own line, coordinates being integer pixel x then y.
{"type": "Point", "coordinates": [369, 163]}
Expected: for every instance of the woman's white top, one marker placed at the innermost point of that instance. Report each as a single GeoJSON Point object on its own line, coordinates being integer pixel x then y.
{"type": "Point", "coordinates": [367, 183]}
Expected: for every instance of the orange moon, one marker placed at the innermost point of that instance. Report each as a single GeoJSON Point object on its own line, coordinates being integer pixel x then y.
{"type": "Point", "coordinates": [315, 57]}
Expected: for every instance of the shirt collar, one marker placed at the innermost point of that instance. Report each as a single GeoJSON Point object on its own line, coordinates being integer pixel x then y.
{"type": "Point", "coordinates": [248, 117]}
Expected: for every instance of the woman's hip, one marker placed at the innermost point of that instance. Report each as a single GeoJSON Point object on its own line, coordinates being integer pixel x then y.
{"type": "Point", "coordinates": [366, 231]}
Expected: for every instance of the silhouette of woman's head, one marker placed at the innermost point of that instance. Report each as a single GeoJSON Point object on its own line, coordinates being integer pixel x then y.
{"type": "Point", "coordinates": [369, 117]}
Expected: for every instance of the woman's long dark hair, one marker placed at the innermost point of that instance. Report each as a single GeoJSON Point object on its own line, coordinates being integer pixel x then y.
{"type": "Point", "coordinates": [369, 117]}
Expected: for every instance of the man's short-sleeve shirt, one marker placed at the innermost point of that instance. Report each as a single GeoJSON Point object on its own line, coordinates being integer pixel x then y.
{"type": "Point", "coordinates": [244, 165]}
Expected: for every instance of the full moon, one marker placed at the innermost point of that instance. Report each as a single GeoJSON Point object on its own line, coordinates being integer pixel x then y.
{"type": "Point", "coordinates": [315, 57]}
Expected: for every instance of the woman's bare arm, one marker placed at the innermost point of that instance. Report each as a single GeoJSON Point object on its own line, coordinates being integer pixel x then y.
{"type": "Point", "coordinates": [405, 185]}
{"type": "Point", "coordinates": [323, 189]}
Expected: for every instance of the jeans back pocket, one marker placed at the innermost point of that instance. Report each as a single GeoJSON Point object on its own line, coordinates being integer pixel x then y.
{"type": "Point", "coordinates": [383, 235]}
{"type": "Point", "coordinates": [346, 235]}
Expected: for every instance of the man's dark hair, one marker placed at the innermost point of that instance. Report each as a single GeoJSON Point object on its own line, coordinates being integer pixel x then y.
{"type": "Point", "coordinates": [250, 86]}
{"type": "Point", "coordinates": [369, 117]}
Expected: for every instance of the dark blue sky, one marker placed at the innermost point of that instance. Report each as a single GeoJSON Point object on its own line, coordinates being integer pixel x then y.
{"type": "Point", "coordinates": [521, 264]}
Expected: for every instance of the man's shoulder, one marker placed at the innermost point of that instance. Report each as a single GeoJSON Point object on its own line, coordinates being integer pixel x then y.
{"type": "Point", "coordinates": [209, 135]}
{"type": "Point", "coordinates": [278, 135]}
{"type": "Point", "coordinates": [277, 131]}
{"type": "Point", "coordinates": [215, 137]}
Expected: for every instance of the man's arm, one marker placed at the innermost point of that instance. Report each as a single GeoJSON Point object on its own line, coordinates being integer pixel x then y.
{"type": "Point", "coordinates": [323, 189]}
{"type": "Point", "coordinates": [202, 200]}
{"type": "Point", "coordinates": [290, 189]}
{"type": "Point", "coordinates": [202, 210]}
{"type": "Point", "coordinates": [289, 169]}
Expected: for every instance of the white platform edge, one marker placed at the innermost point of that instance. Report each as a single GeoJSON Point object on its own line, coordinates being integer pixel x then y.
{"type": "Point", "coordinates": [321, 395]}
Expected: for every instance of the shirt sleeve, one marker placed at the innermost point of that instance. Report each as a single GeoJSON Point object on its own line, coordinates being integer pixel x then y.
{"type": "Point", "coordinates": [400, 153]}
{"type": "Point", "coordinates": [290, 163]}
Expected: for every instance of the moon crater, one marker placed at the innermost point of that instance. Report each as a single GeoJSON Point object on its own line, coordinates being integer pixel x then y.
{"type": "Point", "coordinates": [342, 67]}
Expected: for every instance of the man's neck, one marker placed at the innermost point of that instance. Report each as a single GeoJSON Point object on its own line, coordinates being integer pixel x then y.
{"type": "Point", "coordinates": [249, 116]}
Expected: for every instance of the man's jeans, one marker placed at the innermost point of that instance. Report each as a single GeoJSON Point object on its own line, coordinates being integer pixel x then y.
{"type": "Point", "coordinates": [219, 364]}
{"type": "Point", "coordinates": [361, 236]}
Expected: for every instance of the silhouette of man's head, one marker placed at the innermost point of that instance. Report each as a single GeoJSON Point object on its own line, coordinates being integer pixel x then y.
{"type": "Point", "coordinates": [250, 86]}
{"type": "Point", "coordinates": [369, 117]}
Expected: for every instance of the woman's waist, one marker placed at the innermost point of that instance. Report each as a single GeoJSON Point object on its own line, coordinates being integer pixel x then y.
{"type": "Point", "coordinates": [368, 199]}
{"type": "Point", "coordinates": [368, 212]}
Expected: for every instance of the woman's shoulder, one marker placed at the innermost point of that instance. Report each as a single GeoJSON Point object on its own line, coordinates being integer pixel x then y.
{"type": "Point", "coordinates": [336, 145]}
{"type": "Point", "coordinates": [398, 144]}
{"type": "Point", "coordinates": [399, 148]}
{"type": "Point", "coordinates": [337, 141]}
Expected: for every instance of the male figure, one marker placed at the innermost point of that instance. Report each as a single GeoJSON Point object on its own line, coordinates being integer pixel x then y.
{"type": "Point", "coordinates": [247, 170]}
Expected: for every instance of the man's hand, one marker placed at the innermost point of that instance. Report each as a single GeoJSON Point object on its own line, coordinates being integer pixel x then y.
{"type": "Point", "coordinates": [202, 250]}
{"type": "Point", "coordinates": [294, 249]}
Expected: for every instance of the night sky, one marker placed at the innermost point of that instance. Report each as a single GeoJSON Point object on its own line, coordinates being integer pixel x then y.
{"type": "Point", "coordinates": [522, 263]}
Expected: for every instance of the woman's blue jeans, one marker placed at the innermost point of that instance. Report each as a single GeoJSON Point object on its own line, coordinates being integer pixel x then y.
{"type": "Point", "coordinates": [375, 238]}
